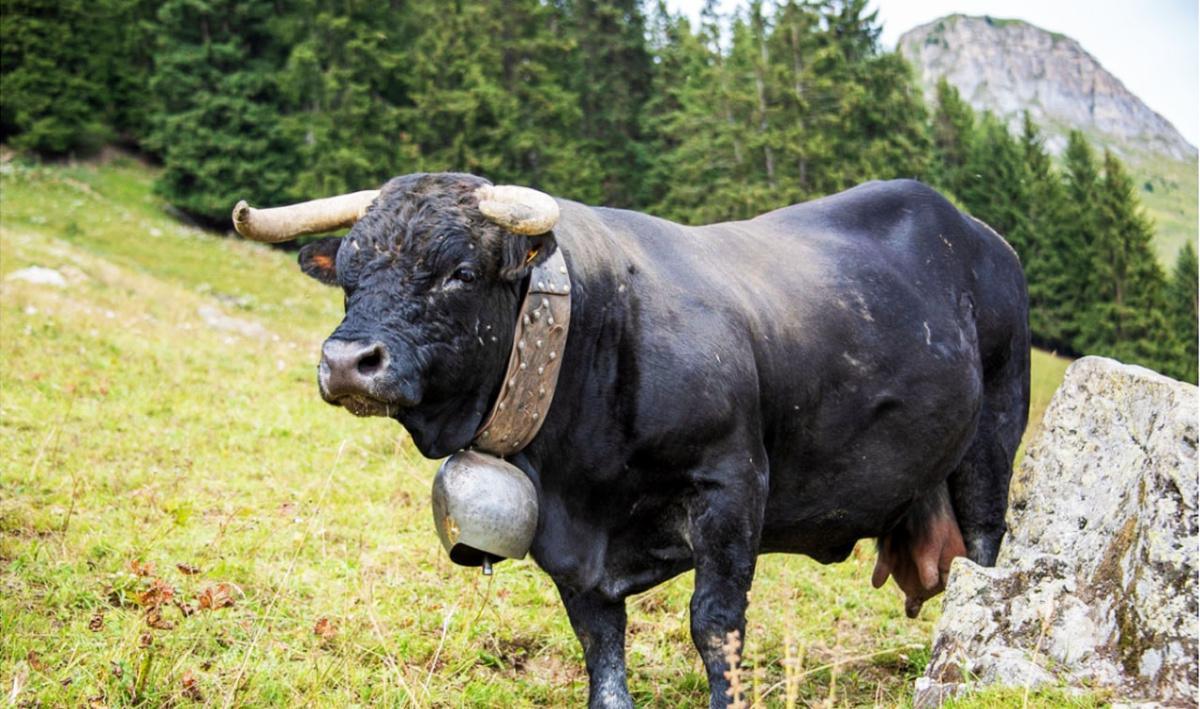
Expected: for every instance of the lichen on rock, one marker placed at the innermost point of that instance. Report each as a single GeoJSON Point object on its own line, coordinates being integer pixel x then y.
{"type": "Point", "coordinates": [1096, 583]}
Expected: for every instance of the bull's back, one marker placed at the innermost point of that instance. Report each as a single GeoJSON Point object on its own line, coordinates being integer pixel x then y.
{"type": "Point", "coordinates": [876, 280]}
{"type": "Point", "coordinates": [883, 261]}
{"type": "Point", "coordinates": [860, 322]}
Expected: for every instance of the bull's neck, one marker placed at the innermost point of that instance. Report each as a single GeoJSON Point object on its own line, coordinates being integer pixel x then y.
{"type": "Point", "coordinates": [603, 308]}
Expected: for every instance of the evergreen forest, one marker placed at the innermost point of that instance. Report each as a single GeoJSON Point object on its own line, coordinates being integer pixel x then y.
{"type": "Point", "coordinates": [613, 102]}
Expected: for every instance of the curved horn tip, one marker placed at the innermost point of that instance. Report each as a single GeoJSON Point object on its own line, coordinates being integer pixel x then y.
{"type": "Point", "coordinates": [521, 210]}
{"type": "Point", "coordinates": [285, 223]}
{"type": "Point", "coordinates": [241, 214]}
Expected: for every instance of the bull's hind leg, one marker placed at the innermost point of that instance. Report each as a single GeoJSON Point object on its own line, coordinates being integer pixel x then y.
{"type": "Point", "coordinates": [965, 515]}
{"type": "Point", "coordinates": [979, 485]}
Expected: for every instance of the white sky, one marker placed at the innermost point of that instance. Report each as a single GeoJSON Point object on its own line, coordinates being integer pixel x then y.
{"type": "Point", "coordinates": [1151, 45]}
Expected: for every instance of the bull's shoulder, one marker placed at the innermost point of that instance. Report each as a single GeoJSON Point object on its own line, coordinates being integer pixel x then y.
{"type": "Point", "coordinates": [609, 224]}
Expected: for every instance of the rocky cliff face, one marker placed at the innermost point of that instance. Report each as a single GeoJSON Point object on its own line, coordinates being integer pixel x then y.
{"type": "Point", "coordinates": [1008, 66]}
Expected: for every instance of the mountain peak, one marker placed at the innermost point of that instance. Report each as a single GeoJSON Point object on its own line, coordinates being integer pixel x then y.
{"type": "Point", "coordinates": [1010, 66]}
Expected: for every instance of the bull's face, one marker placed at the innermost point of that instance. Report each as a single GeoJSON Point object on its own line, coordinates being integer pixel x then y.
{"type": "Point", "coordinates": [432, 288]}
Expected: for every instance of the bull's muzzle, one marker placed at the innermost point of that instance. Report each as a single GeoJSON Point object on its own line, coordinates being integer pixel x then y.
{"type": "Point", "coordinates": [355, 374]}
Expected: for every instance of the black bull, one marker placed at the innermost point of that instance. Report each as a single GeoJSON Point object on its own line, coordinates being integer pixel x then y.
{"type": "Point", "coordinates": [852, 367]}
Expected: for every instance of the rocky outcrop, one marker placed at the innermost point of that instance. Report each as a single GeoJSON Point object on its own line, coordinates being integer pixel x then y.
{"type": "Point", "coordinates": [1096, 584]}
{"type": "Point", "coordinates": [39, 275]}
{"type": "Point", "coordinates": [1008, 66]}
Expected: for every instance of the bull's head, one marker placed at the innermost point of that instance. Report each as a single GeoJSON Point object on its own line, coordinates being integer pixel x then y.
{"type": "Point", "coordinates": [432, 270]}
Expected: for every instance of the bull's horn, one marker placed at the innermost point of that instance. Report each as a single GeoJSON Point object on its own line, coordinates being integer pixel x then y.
{"type": "Point", "coordinates": [521, 210]}
{"type": "Point", "coordinates": [314, 217]}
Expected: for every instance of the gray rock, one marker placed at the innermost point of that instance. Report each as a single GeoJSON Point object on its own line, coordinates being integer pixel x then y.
{"type": "Point", "coordinates": [1096, 584]}
{"type": "Point", "coordinates": [39, 275]}
{"type": "Point", "coordinates": [217, 320]}
{"type": "Point", "coordinates": [928, 693]}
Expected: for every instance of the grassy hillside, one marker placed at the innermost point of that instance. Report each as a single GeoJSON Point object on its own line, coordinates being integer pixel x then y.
{"type": "Point", "coordinates": [1168, 189]}
{"type": "Point", "coordinates": [182, 520]}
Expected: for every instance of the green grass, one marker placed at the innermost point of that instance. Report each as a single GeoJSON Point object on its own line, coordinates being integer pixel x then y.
{"type": "Point", "coordinates": [1168, 190]}
{"type": "Point", "coordinates": [1046, 373]}
{"type": "Point", "coordinates": [135, 434]}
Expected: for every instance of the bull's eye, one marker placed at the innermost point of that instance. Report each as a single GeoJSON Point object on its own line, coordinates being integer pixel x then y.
{"type": "Point", "coordinates": [466, 274]}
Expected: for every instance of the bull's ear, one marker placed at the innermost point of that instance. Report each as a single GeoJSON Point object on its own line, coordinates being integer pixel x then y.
{"type": "Point", "coordinates": [522, 253]}
{"type": "Point", "coordinates": [319, 259]}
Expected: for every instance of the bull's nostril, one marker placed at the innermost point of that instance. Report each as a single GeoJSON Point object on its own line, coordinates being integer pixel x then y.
{"type": "Point", "coordinates": [348, 366]}
{"type": "Point", "coordinates": [359, 374]}
{"type": "Point", "coordinates": [371, 362]}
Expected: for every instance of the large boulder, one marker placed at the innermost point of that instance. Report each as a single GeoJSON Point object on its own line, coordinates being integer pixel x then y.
{"type": "Point", "coordinates": [1096, 584]}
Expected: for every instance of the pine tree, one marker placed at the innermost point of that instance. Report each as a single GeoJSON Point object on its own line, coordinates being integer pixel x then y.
{"type": "Point", "coordinates": [541, 140]}
{"type": "Point", "coordinates": [1047, 256]}
{"type": "Point", "coordinates": [1081, 180]}
{"type": "Point", "coordinates": [953, 137]}
{"type": "Point", "coordinates": [845, 41]}
{"type": "Point", "coordinates": [1184, 313]}
{"type": "Point", "coordinates": [611, 74]}
{"type": "Point", "coordinates": [220, 133]}
{"type": "Point", "coordinates": [502, 109]}
{"type": "Point", "coordinates": [53, 97]}
{"type": "Point", "coordinates": [994, 190]}
{"type": "Point", "coordinates": [869, 113]}
{"type": "Point", "coordinates": [669, 119]}
{"type": "Point", "coordinates": [852, 30]}
{"type": "Point", "coordinates": [452, 92]}
{"type": "Point", "coordinates": [1126, 317]}
{"type": "Point", "coordinates": [891, 121]}
{"type": "Point", "coordinates": [747, 104]}
{"type": "Point", "coordinates": [794, 104]}
{"type": "Point", "coordinates": [701, 168]}
{"type": "Point", "coordinates": [793, 44]}
{"type": "Point", "coordinates": [345, 83]}
{"type": "Point", "coordinates": [125, 31]}
{"type": "Point", "coordinates": [761, 113]}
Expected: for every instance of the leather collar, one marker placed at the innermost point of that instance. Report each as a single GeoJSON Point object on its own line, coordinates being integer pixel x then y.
{"type": "Point", "coordinates": [533, 365]}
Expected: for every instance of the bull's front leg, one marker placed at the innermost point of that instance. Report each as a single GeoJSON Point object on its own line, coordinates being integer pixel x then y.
{"type": "Point", "coordinates": [599, 624]}
{"type": "Point", "coordinates": [725, 527]}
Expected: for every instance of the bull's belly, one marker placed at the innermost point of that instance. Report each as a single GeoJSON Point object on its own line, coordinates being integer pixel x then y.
{"type": "Point", "coordinates": [803, 516]}
{"type": "Point", "coordinates": [826, 527]}
{"type": "Point", "coordinates": [821, 502]}
{"type": "Point", "coordinates": [650, 550]}
{"type": "Point", "coordinates": [827, 543]}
